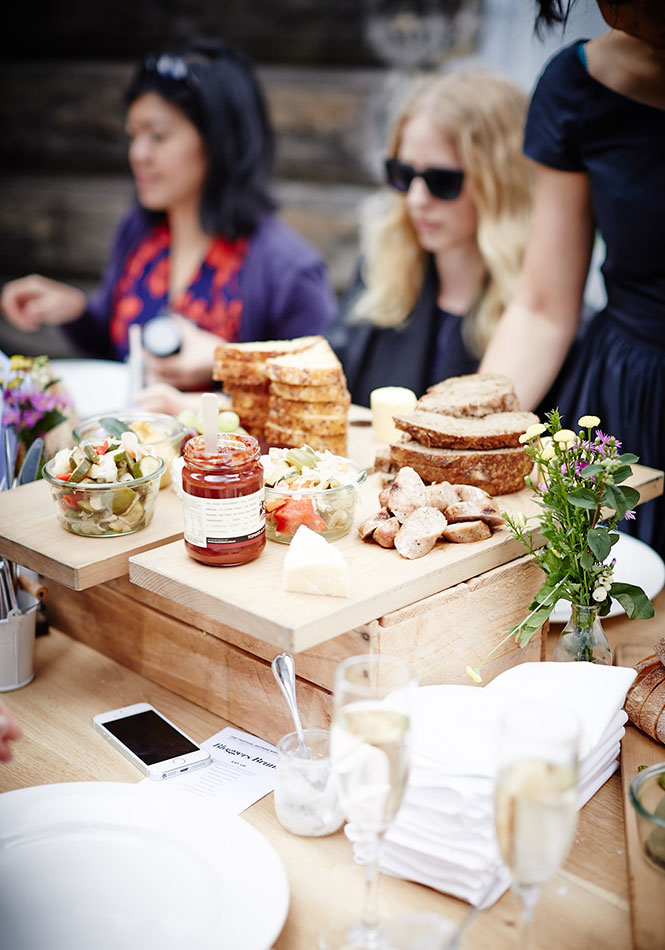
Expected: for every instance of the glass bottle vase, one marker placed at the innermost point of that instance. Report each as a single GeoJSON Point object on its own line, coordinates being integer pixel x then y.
{"type": "Point", "coordinates": [583, 638]}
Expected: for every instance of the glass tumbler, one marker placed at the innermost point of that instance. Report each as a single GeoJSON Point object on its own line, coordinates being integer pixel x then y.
{"type": "Point", "coordinates": [306, 799]}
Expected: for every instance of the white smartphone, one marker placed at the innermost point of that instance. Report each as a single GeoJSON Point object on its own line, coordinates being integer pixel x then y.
{"type": "Point", "coordinates": [151, 741]}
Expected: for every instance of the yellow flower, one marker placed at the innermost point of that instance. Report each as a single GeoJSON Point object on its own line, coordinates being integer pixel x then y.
{"type": "Point", "coordinates": [20, 363]}
{"type": "Point", "coordinates": [474, 674]}
{"type": "Point", "coordinates": [588, 422]}
{"type": "Point", "coordinates": [536, 429]}
{"type": "Point", "coordinates": [565, 437]}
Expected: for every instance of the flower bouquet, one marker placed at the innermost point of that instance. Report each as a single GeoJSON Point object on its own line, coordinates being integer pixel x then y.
{"type": "Point", "coordinates": [32, 405]}
{"type": "Point", "coordinates": [582, 496]}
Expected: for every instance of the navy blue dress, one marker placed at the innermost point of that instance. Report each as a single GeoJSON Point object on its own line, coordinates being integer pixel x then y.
{"type": "Point", "coordinates": [617, 369]}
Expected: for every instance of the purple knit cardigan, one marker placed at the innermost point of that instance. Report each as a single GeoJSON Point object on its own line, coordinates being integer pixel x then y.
{"type": "Point", "coordinates": [285, 292]}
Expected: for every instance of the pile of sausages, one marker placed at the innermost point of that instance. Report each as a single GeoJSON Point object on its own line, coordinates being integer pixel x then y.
{"type": "Point", "coordinates": [414, 516]}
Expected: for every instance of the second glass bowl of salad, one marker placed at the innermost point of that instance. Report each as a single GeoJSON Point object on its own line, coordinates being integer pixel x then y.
{"type": "Point", "coordinates": [105, 489]}
{"type": "Point", "coordinates": [164, 433]}
{"type": "Point", "coordinates": [317, 489]}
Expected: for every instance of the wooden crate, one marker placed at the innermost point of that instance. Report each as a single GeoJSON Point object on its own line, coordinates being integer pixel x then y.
{"type": "Point", "coordinates": [228, 672]}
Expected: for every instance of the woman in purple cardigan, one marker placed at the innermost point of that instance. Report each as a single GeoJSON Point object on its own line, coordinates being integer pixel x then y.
{"type": "Point", "coordinates": [202, 241]}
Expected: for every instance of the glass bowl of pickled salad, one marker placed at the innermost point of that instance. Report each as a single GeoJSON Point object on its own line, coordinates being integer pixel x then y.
{"type": "Point", "coordinates": [163, 432]}
{"type": "Point", "coordinates": [317, 489]}
{"type": "Point", "coordinates": [105, 489]}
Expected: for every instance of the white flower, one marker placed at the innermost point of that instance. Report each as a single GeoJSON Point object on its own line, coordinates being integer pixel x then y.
{"type": "Point", "coordinates": [599, 594]}
{"type": "Point", "coordinates": [588, 422]}
{"type": "Point", "coordinates": [565, 436]}
{"type": "Point", "coordinates": [536, 429]}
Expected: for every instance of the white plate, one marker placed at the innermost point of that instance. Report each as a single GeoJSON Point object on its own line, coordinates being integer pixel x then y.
{"type": "Point", "coordinates": [96, 386]}
{"type": "Point", "coordinates": [636, 563]}
{"type": "Point", "coordinates": [107, 865]}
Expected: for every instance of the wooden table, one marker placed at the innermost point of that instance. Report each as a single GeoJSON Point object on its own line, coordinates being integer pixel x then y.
{"type": "Point", "coordinates": [585, 907]}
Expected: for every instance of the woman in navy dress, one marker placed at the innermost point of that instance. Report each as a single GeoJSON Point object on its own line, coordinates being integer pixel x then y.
{"type": "Point", "coordinates": [596, 130]}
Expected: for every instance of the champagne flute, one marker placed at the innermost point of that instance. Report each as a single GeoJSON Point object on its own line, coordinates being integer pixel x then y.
{"type": "Point", "coordinates": [535, 805]}
{"type": "Point", "coordinates": [369, 745]}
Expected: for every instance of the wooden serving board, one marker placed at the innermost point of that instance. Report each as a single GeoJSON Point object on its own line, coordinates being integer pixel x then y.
{"type": "Point", "coordinates": [251, 597]}
{"type": "Point", "coordinates": [646, 885]}
{"type": "Point", "coordinates": [31, 535]}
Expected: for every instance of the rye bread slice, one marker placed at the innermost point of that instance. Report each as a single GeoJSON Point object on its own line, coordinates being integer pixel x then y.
{"type": "Point", "coordinates": [495, 431]}
{"type": "Point", "coordinates": [477, 394]}
{"type": "Point", "coordinates": [497, 471]}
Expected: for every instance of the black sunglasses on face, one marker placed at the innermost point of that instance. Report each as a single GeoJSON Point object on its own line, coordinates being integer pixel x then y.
{"type": "Point", "coordinates": [442, 183]}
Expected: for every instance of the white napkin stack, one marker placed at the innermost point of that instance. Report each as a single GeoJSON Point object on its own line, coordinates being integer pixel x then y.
{"type": "Point", "coordinates": [443, 835]}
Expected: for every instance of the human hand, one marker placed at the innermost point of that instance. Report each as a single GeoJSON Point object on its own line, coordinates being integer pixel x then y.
{"type": "Point", "coordinates": [9, 732]}
{"type": "Point", "coordinates": [30, 302]}
{"type": "Point", "coordinates": [191, 368]}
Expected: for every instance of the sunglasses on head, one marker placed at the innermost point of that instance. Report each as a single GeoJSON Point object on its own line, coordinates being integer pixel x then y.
{"type": "Point", "coordinates": [170, 67]}
{"type": "Point", "coordinates": [442, 183]}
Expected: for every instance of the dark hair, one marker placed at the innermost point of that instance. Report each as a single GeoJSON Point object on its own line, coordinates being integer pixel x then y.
{"type": "Point", "coordinates": [216, 88]}
{"type": "Point", "coordinates": [558, 11]}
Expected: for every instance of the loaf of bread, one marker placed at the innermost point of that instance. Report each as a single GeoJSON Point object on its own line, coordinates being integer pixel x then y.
{"type": "Point", "coordinates": [496, 430]}
{"type": "Point", "coordinates": [497, 471]}
{"type": "Point", "coordinates": [477, 394]}
{"type": "Point", "coordinates": [645, 700]}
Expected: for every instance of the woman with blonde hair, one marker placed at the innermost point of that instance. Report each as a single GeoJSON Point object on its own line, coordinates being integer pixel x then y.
{"type": "Point", "coordinates": [440, 261]}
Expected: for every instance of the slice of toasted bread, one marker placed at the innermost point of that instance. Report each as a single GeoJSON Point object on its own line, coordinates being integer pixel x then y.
{"type": "Point", "coordinates": [320, 425]}
{"type": "Point", "coordinates": [280, 435]}
{"type": "Point", "coordinates": [477, 394]}
{"type": "Point", "coordinates": [262, 350]}
{"type": "Point", "coordinates": [236, 374]}
{"type": "Point", "coordinates": [331, 392]}
{"type": "Point", "coordinates": [494, 431]}
{"type": "Point", "coordinates": [497, 471]}
{"type": "Point", "coordinates": [315, 366]}
{"type": "Point", "coordinates": [288, 409]}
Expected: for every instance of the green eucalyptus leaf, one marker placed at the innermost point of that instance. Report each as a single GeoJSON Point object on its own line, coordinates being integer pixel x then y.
{"type": "Point", "coordinates": [582, 498]}
{"type": "Point", "coordinates": [589, 471]}
{"type": "Point", "coordinates": [599, 542]}
{"type": "Point", "coordinates": [631, 496]}
{"type": "Point", "coordinates": [622, 474]}
{"type": "Point", "coordinates": [628, 458]}
{"type": "Point", "coordinates": [586, 561]}
{"type": "Point", "coordinates": [633, 600]}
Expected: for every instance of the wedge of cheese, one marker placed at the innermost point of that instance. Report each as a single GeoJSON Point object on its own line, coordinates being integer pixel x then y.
{"type": "Point", "coordinates": [313, 566]}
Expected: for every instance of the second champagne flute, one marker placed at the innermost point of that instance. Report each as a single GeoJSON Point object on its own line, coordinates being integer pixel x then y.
{"type": "Point", "coordinates": [536, 795]}
{"type": "Point", "coordinates": [370, 754]}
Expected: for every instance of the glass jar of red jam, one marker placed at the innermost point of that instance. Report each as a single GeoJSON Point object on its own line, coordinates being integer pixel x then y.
{"type": "Point", "coordinates": [223, 500]}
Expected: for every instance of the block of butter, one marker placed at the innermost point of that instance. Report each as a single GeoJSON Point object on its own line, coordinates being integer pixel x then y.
{"type": "Point", "coordinates": [386, 402]}
{"type": "Point", "coordinates": [313, 566]}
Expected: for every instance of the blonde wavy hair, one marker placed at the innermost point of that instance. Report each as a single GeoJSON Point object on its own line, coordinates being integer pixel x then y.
{"type": "Point", "coordinates": [483, 117]}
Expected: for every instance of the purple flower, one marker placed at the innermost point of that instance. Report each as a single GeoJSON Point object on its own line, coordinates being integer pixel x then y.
{"type": "Point", "coordinates": [630, 516]}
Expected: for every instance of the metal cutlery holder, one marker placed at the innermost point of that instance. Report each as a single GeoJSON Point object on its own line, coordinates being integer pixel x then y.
{"type": "Point", "coordinates": [17, 643]}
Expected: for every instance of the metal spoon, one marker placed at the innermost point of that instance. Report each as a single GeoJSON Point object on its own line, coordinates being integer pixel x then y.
{"type": "Point", "coordinates": [285, 673]}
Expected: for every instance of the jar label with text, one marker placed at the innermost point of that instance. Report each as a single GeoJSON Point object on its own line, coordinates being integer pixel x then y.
{"type": "Point", "coordinates": [223, 520]}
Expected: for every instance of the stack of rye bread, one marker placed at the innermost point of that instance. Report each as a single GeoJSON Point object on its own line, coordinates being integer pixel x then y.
{"type": "Point", "coordinates": [645, 700]}
{"type": "Point", "coordinates": [464, 430]}
{"type": "Point", "coordinates": [287, 392]}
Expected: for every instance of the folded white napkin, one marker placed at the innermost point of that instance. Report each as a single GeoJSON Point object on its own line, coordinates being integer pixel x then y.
{"type": "Point", "coordinates": [443, 836]}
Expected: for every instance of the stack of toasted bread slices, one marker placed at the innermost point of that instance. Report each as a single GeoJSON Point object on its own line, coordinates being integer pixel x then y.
{"type": "Point", "coordinates": [241, 368]}
{"type": "Point", "coordinates": [308, 399]}
{"type": "Point", "coordinates": [467, 430]}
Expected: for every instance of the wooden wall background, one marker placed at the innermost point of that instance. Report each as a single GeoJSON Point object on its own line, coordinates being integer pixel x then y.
{"type": "Point", "coordinates": [331, 70]}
